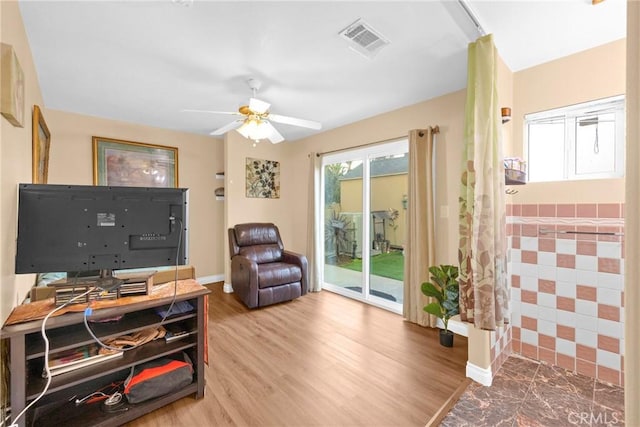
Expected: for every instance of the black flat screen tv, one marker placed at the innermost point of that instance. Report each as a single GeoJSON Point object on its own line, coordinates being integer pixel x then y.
{"type": "Point", "coordinates": [85, 228]}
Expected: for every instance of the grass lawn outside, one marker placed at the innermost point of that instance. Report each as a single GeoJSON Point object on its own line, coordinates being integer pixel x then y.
{"type": "Point", "coordinates": [389, 265]}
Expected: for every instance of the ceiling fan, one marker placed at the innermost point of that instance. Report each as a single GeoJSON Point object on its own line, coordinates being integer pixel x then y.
{"type": "Point", "coordinates": [255, 119]}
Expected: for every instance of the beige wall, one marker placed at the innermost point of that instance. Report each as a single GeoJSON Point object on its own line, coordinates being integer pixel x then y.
{"type": "Point", "coordinates": [15, 161]}
{"type": "Point", "coordinates": [240, 209]}
{"type": "Point", "coordinates": [199, 157]}
{"type": "Point", "coordinates": [446, 111]}
{"type": "Point", "coordinates": [585, 76]}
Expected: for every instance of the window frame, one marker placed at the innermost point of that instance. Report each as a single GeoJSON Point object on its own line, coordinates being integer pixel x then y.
{"type": "Point", "coordinates": [569, 115]}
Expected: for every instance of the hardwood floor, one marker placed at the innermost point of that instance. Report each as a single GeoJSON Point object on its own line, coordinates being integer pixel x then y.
{"type": "Point", "coordinates": [321, 360]}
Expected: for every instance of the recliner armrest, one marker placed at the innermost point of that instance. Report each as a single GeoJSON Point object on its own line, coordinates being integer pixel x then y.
{"type": "Point", "coordinates": [244, 279]}
{"type": "Point", "coordinates": [301, 261]}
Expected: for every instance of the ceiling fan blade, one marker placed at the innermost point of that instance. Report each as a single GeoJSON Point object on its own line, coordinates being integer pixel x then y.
{"type": "Point", "coordinates": [295, 122]}
{"type": "Point", "coordinates": [226, 128]}
{"type": "Point", "coordinates": [258, 106]}
{"type": "Point", "coordinates": [232, 113]}
{"type": "Point", "coordinates": [273, 135]}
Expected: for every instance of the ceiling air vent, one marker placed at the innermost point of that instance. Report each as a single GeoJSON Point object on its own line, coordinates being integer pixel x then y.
{"type": "Point", "coordinates": [363, 38]}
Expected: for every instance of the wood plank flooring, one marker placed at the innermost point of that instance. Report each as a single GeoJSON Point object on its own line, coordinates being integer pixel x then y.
{"type": "Point", "coordinates": [321, 360]}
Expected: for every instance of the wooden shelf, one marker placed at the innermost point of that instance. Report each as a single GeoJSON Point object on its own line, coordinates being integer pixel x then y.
{"type": "Point", "coordinates": [68, 331]}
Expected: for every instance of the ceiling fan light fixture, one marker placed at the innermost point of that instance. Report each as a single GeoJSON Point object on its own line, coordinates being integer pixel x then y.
{"type": "Point", "coordinates": [254, 129]}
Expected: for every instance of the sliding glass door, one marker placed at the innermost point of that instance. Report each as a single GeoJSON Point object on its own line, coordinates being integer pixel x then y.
{"type": "Point", "coordinates": [364, 220]}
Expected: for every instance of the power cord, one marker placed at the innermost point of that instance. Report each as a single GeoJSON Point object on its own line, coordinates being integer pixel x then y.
{"type": "Point", "coordinates": [175, 280]}
{"type": "Point", "coordinates": [43, 331]}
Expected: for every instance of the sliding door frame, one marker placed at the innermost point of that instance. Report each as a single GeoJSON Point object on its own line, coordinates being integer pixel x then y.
{"type": "Point", "coordinates": [364, 154]}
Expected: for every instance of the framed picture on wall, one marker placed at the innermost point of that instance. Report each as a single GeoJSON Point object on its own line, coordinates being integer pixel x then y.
{"type": "Point", "coordinates": [263, 178]}
{"type": "Point", "coordinates": [134, 164]}
{"type": "Point", "coordinates": [40, 144]}
{"type": "Point", "coordinates": [12, 103]}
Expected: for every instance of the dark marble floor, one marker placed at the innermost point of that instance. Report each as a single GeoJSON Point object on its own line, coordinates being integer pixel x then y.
{"type": "Point", "coordinates": [532, 394]}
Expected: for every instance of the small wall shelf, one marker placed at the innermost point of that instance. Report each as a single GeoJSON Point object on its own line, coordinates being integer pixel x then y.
{"type": "Point", "coordinates": [219, 192]}
{"type": "Point", "coordinates": [514, 177]}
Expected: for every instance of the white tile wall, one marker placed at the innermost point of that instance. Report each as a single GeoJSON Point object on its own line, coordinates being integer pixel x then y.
{"type": "Point", "coordinates": [528, 243]}
{"type": "Point", "coordinates": [609, 296]}
{"type": "Point", "coordinates": [586, 262]}
{"type": "Point", "coordinates": [566, 246]}
{"type": "Point", "coordinates": [566, 347]}
{"type": "Point", "coordinates": [566, 289]}
{"type": "Point", "coordinates": [611, 281]}
{"type": "Point", "coordinates": [547, 300]}
{"type": "Point", "coordinates": [608, 359]}
{"type": "Point", "coordinates": [547, 327]}
{"type": "Point", "coordinates": [547, 258]}
{"type": "Point", "coordinates": [547, 313]}
{"type": "Point", "coordinates": [529, 337]}
{"type": "Point", "coordinates": [566, 318]}
{"type": "Point", "coordinates": [609, 249]}
{"type": "Point", "coordinates": [566, 275]}
{"type": "Point", "coordinates": [586, 277]}
{"type": "Point", "coordinates": [588, 308]}
{"type": "Point", "coordinates": [610, 328]}
{"type": "Point", "coordinates": [588, 338]}
{"type": "Point", "coordinates": [588, 323]}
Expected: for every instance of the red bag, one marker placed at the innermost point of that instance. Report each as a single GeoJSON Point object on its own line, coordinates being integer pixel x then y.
{"type": "Point", "coordinates": [157, 378]}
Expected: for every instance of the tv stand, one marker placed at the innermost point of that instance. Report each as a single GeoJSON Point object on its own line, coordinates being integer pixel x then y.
{"type": "Point", "coordinates": [67, 332]}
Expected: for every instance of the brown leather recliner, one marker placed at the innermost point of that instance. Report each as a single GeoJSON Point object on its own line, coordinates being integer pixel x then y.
{"type": "Point", "coordinates": [262, 272]}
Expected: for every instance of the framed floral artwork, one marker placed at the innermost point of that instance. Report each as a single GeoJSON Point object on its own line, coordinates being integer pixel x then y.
{"type": "Point", "coordinates": [40, 144]}
{"type": "Point", "coordinates": [134, 164]}
{"type": "Point", "coordinates": [263, 178]}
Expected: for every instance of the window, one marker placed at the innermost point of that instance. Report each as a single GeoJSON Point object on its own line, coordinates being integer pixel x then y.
{"type": "Point", "coordinates": [584, 141]}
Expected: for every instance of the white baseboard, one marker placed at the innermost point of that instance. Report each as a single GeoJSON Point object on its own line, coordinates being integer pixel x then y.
{"type": "Point", "coordinates": [205, 280]}
{"type": "Point", "coordinates": [227, 288]}
{"type": "Point", "coordinates": [479, 375]}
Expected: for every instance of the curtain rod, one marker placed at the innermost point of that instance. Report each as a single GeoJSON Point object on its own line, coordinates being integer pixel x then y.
{"type": "Point", "coordinates": [472, 16]}
{"type": "Point", "coordinates": [434, 129]}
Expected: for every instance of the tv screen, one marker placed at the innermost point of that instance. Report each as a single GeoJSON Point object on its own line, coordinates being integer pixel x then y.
{"type": "Point", "coordinates": [81, 228]}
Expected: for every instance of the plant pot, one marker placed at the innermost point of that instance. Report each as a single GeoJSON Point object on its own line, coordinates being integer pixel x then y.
{"type": "Point", "coordinates": [446, 338]}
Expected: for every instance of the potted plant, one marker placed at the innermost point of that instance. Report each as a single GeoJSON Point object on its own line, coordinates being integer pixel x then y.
{"type": "Point", "coordinates": [446, 292]}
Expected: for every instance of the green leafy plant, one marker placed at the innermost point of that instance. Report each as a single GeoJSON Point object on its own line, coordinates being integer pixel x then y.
{"type": "Point", "coordinates": [446, 292]}
{"type": "Point", "coordinates": [338, 231]}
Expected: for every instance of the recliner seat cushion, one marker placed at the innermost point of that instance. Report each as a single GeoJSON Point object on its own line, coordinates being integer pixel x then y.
{"type": "Point", "coordinates": [277, 273]}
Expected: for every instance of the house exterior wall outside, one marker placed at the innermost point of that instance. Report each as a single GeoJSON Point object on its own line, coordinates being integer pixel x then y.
{"type": "Point", "coordinates": [199, 157]}
{"type": "Point", "coordinates": [386, 193]}
{"type": "Point", "coordinates": [15, 161]}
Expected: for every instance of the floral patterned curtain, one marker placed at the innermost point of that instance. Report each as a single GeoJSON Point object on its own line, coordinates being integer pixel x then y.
{"type": "Point", "coordinates": [482, 247]}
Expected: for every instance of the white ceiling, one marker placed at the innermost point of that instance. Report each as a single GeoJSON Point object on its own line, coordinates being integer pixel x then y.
{"type": "Point", "coordinates": [145, 61]}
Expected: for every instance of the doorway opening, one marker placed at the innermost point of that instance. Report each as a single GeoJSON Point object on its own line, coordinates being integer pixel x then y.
{"type": "Point", "coordinates": [364, 216]}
